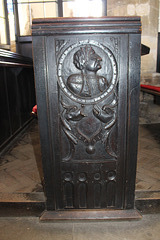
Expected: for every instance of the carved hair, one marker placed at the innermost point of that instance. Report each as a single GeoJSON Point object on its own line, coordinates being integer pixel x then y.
{"type": "Point", "coordinates": [81, 57]}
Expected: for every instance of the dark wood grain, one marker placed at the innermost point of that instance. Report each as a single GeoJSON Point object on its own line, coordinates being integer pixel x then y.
{"type": "Point", "coordinates": [102, 25]}
{"type": "Point", "coordinates": [17, 95]}
{"type": "Point", "coordinates": [87, 75]}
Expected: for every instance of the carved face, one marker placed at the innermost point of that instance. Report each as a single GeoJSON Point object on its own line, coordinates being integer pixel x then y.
{"type": "Point", "coordinates": [86, 58]}
{"type": "Point", "coordinates": [93, 64]}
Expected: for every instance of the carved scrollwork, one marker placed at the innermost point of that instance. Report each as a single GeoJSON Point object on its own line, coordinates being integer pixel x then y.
{"type": "Point", "coordinates": [89, 129]}
{"type": "Point", "coordinates": [70, 113]}
{"type": "Point", "coordinates": [107, 113]}
{"type": "Point", "coordinates": [89, 115]}
{"type": "Point", "coordinates": [67, 113]}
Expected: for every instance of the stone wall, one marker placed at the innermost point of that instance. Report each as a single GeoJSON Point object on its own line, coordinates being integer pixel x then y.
{"type": "Point", "coordinates": [149, 12]}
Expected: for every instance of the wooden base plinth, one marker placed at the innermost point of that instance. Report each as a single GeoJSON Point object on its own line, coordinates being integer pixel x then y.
{"type": "Point", "coordinates": [91, 215]}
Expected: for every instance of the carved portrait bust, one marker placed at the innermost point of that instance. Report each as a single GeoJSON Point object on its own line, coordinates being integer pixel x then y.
{"type": "Point", "coordinates": [87, 83]}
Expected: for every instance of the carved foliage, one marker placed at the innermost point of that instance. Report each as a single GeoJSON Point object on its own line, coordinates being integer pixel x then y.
{"type": "Point", "coordinates": [92, 115]}
{"type": "Point", "coordinates": [59, 44]}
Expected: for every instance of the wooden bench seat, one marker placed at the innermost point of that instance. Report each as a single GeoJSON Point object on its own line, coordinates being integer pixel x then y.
{"type": "Point", "coordinates": [153, 90]}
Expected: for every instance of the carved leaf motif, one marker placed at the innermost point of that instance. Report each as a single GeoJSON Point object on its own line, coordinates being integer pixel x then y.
{"type": "Point", "coordinates": [87, 122]}
{"type": "Point", "coordinates": [109, 147]}
{"type": "Point", "coordinates": [104, 115]}
{"type": "Point", "coordinates": [59, 44]}
{"type": "Point", "coordinates": [115, 43]}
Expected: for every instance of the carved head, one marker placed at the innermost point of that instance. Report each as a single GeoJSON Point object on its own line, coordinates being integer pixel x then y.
{"type": "Point", "coordinates": [86, 58]}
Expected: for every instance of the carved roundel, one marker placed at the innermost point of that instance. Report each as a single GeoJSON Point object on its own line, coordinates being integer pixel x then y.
{"type": "Point", "coordinates": [87, 72]}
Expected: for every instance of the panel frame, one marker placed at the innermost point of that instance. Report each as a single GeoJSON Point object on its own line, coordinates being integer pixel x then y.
{"type": "Point", "coordinates": [44, 31]}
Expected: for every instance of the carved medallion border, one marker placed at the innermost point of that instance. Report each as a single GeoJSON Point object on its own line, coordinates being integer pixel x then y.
{"type": "Point", "coordinates": [70, 94]}
{"type": "Point", "coordinates": [103, 107]}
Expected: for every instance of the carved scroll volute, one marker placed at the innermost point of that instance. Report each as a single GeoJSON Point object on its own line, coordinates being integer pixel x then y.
{"type": "Point", "coordinates": [88, 97]}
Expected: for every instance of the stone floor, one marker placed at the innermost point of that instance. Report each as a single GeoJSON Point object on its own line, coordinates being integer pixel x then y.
{"type": "Point", "coordinates": [149, 113]}
{"type": "Point", "coordinates": [24, 228]}
{"type": "Point", "coordinates": [21, 173]}
{"type": "Point", "coordinates": [148, 164]}
{"type": "Point", "coordinates": [21, 170]}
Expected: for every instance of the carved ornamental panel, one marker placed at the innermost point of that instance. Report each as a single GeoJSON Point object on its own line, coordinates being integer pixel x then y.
{"type": "Point", "coordinates": [87, 80]}
{"type": "Point", "coordinates": [87, 73]}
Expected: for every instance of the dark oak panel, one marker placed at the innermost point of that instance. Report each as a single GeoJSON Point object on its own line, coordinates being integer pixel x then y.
{"type": "Point", "coordinates": [4, 109]}
{"type": "Point", "coordinates": [17, 94]}
{"type": "Point", "coordinates": [87, 81]}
